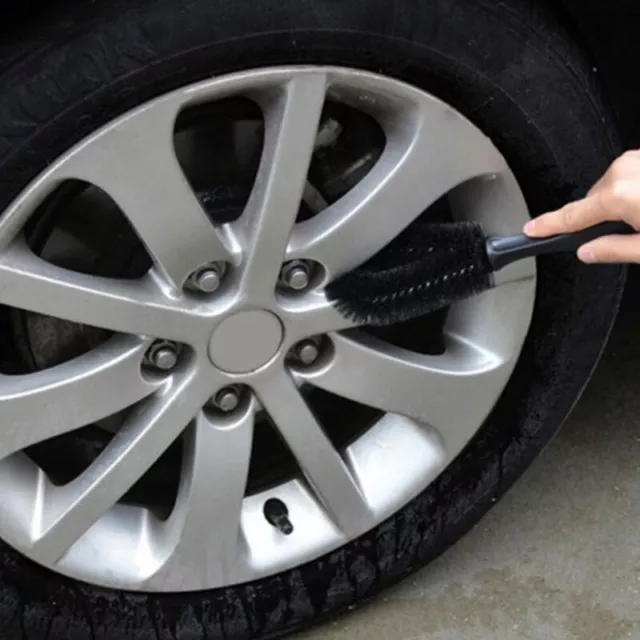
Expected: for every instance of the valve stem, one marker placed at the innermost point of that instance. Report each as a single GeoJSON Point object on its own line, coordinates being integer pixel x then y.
{"type": "Point", "coordinates": [277, 515]}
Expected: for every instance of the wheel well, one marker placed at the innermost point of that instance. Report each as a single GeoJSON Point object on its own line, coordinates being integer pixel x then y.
{"type": "Point", "coordinates": [554, 13]}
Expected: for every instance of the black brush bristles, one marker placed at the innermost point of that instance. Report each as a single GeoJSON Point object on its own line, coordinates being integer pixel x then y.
{"type": "Point", "coordinates": [431, 267]}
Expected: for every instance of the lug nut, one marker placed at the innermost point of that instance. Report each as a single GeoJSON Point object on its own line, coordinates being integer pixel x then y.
{"type": "Point", "coordinates": [307, 352]}
{"type": "Point", "coordinates": [163, 355]}
{"type": "Point", "coordinates": [227, 399]}
{"type": "Point", "coordinates": [207, 279]}
{"type": "Point", "coordinates": [296, 275]}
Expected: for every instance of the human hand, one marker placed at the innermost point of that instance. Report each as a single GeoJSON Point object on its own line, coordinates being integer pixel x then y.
{"type": "Point", "coordinates": [616, 196]}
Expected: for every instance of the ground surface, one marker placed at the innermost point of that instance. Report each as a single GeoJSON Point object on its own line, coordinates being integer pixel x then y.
{"type": "Point", "coordinates": [559, 556]}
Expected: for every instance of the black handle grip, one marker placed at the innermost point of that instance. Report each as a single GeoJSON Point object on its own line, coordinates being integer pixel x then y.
{"type": "Point", "coordinates": [503, 251]}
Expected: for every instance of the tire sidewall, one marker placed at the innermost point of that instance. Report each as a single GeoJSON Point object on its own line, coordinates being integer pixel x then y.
{"type": "Point", "coordinates": [507, 71]}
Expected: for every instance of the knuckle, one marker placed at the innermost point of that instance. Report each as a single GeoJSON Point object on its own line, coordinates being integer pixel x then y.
{"type": "Point", "coordinates": [622, 165]}
{"type": "Point", "coordinates": [626, 158]}
{"type": "Point", "coordinates": [619, 164]}
{"type": "Point", "coordinates": [621, 197]}
{"type": "Point", "coordinates": [631, 155]}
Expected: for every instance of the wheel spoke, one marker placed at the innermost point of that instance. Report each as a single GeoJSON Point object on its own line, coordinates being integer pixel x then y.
{"type": "Point", "coordinates": [134, 161]}
{"type": "Point", "coordinates": [516, 272]}
{"type": "Point", "coordinates": [139, 306]}
{"type": "Point", "coordinates": [38, 406]}
{"type": "Point", "coordinates": [292, 117]}
{"type": "Point", "coordinates": [497, 318]}
{"type": "Point", "coordinates": [312, 315]}
{"type": "Point", "coordinates": [452, 392]}
{"type": "Point", "coordinates": [321, 464]}
{"type": "Point", "coordinates": [203, 532]}
{"type": "Point", "coordinates": [429, 153]}
{"type": "Point", "coordinates": [69, 511]}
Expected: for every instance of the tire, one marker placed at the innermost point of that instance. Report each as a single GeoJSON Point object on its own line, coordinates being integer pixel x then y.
{"type": "Point", "coordinates": [509, 69]}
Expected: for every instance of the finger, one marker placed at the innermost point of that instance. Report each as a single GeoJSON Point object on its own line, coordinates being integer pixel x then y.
{"type": "Point", "coordinates": [573, 217]}
{"type": "Point", "coordinates": [599, 186]}
{"type": "Point", "coordinates": [612, 249]}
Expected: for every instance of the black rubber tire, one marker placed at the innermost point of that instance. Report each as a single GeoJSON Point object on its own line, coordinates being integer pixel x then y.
{"type": "Point", "coordinates": [508, 67]}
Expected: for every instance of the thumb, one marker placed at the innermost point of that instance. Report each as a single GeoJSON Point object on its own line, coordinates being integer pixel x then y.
{"type": "Point", "coordinates": [612, 249]}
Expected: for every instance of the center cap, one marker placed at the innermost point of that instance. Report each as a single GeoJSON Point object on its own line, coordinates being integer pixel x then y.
{"type": "Point", "coordinates": [245, 341]}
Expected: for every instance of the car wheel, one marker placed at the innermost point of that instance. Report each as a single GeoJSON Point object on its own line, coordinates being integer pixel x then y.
{"type": "Point", "coordinates": [196, 444]}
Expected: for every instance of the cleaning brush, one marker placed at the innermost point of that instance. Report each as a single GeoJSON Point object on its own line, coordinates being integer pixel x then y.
{"type": "Point", "coordinates": [433, 265]}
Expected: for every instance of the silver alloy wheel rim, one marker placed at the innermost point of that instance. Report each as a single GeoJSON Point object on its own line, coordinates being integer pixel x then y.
{"type": "Point", "coordinates": [432, 405]}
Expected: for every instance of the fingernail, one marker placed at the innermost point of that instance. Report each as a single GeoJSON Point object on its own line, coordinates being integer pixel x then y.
{"type": "Point", "coordinates": [587, 255]}
{"type": "Point", "coordinates": [530, 226]}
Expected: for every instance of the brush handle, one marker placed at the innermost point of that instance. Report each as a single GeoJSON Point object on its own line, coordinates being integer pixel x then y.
{"type": "Point", "coordinates": [502, 251]}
